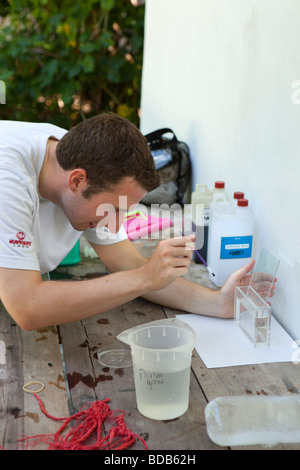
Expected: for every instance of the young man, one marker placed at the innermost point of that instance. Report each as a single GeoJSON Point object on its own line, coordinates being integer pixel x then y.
{"type": "Point", "coordinates": [52, 184]}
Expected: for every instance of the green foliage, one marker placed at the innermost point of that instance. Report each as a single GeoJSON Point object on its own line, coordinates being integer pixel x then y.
{"type": "Point", "coordinates": [65, 61]}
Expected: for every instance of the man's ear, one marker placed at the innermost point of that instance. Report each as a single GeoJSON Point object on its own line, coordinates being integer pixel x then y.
{"type": "Point", "coordinates": [77, 179]}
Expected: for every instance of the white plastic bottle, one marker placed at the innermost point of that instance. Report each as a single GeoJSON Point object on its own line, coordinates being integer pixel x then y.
{"type": "Point", "coordinates": [220, 200]}
{"type": "Point", "coordinates": [219, 190]}
{"type": "Point", "coordinates": [220, 204]}
{"type": "Point", "coordinates": [230, 240]}
{"type": "Point", "coordinates": [200, 218]}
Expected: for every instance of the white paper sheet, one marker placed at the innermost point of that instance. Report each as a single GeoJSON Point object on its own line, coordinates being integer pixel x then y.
{"type": "Point", "coordinates": [221, 343]}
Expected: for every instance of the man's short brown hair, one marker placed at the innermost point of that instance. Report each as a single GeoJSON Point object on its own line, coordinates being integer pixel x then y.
{"type": "Point", "coordinates": [108, 147]}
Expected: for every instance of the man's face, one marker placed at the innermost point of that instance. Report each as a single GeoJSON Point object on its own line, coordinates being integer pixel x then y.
{"type": "Point", "coordinates": [103, 209]}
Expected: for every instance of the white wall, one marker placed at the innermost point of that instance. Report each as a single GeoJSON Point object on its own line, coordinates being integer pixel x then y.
{"type": "Point", "coordinates": [221, 74]}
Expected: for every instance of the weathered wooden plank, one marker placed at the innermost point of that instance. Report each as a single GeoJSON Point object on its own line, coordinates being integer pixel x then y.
{"type": "Point", "coordinates": [78, 366]}
{"type": "Point", "coordinates": [33, 355]}
{"type": "Point", "coordinates": [11, 395]}
{"type": "Point", "coordinates": [42, 361]}
{"type": "Point", "coordinates": [186, 432]}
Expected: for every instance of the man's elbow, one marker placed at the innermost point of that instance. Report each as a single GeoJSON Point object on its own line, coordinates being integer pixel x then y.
{"type": "Point", "coordinates": [24, 318]}
{"type": "Point", "coordinates": [21, 296]}
{"type": "Point", "coordinates": [27, 324]}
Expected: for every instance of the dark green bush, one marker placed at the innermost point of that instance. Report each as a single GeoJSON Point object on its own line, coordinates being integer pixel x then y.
{"type": "Point", "coordinates": [65, 61]}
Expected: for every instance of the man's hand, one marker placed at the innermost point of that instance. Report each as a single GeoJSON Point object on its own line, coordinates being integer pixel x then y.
{"type": "Point", "coordinates": [170, 260]}
{"type": "Point", "coordinates": [262, 283]}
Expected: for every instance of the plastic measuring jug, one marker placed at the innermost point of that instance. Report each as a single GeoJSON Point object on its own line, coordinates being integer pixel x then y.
{"type": "Point", "coordinates": [161, 356]}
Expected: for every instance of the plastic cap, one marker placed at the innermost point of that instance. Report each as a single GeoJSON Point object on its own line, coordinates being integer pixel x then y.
{"type": "Point", "coordinates": [242, 202]}
{"type": "Point", "coordinates": [238, 195]}
{"type": "Point", "coordinates": [219, 184]}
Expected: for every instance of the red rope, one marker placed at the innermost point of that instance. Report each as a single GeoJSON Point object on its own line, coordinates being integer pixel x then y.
{"type": "Point", "coordinates": [87, 426]}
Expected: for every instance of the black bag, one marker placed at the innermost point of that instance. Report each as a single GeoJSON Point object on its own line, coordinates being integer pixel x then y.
{"type": "Point", "coordinates": [172, 161]}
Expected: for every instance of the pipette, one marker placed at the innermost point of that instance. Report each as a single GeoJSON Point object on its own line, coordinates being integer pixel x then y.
{"type": "Point", "coordinates": [201, 259]}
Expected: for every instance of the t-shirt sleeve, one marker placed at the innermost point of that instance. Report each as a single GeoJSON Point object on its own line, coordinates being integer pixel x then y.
{"type": "Point", "coordinates": [103, 236]}
{"type": "Point", "coordinates": [18, 249]}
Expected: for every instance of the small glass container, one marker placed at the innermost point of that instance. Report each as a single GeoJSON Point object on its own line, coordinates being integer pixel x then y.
{"type": "Point", "coordinates": [252, 315]}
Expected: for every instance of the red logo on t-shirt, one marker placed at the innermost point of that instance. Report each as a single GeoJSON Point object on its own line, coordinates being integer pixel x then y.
{"type": "Point", "coordinates": [20, 242]}
{"type": "Point", "coordinates": [21, 235]}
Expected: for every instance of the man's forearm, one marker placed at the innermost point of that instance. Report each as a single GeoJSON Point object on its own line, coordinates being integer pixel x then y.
{"type": "Point", "coordinates": [60, 302]}
{"type": "Point", "coordinates": [188, 296]}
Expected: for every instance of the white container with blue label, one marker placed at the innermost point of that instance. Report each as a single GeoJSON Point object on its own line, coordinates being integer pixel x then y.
{"type": "Point", "coordinates": [230, 240]}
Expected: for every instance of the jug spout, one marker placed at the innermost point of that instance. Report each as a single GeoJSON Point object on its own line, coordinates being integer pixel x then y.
{"type": "Point", "coordinates": [124, 336]}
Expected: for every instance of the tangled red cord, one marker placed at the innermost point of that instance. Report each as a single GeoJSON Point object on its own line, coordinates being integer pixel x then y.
{"type": "Point", "coordinates": [87, 427]}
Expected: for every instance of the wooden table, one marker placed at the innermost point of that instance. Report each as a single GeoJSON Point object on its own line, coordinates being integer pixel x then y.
{"type": "Point", "coordinates": [65, 359]}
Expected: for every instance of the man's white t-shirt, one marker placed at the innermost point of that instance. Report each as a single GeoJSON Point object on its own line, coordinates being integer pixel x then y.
{"type": "Point", "coordinates": [35, 234]}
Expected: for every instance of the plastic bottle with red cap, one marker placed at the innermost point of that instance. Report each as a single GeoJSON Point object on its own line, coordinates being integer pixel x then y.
{"type": "Point", "coordinates": [230, 239]}
{"type": "Point", "coordinates": [238, 195]}
{"type": "Point", "coordinates": [219, 192]}
{"type": "Point", "coordinates": [220, 204]}
{"type": "Point", "coordinates": [220, 199]}
{"type": "Point", "coordinates": [242, 202]}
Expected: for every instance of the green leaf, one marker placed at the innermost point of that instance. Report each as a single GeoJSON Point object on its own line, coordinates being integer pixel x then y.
{"type": "Point", "coordinates": [106, 39]}
{"type": "Point", "coordinates": [74, 70]}
{"type": "Point", "coordinates": [107, 5]}
{"type": "Point", "coordinates": [87, 47]}
{"type": "Point", "coordinates": [67, 94]}
{"type": "Point", "coordinates": [55, 19]}
{"type": "Point", "coordinates": [88, 64]}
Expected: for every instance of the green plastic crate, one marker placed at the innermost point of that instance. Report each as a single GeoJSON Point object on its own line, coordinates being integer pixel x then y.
{"type": "Point", "coordinates": [73, 257]}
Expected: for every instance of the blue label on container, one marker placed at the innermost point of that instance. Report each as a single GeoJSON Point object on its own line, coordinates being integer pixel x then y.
{"type": "Point", "coordinates": [236, 247]}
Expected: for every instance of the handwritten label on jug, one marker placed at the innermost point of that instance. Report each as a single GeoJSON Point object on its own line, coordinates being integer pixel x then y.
{"type": "Point", "coordinates": [153, 379]}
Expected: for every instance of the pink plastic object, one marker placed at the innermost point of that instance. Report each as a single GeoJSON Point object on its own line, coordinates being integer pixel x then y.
{"type": "Point", "coordinates": [139, 225]}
